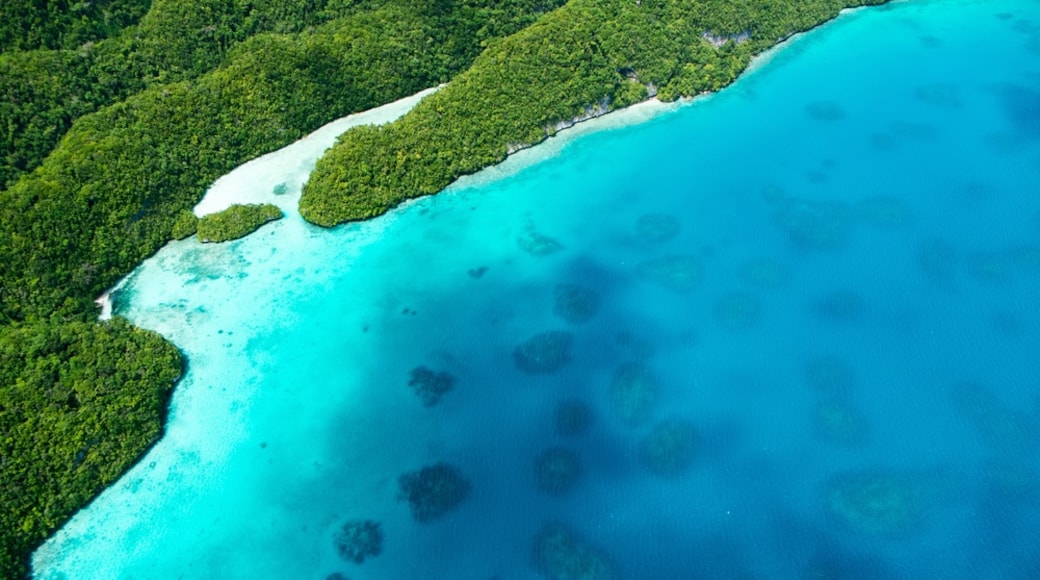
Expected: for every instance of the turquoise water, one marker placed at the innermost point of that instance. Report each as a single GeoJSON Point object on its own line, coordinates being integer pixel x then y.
{"type": "Point", "coordinates": [815, 292]}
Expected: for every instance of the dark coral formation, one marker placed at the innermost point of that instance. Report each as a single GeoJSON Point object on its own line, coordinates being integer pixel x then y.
{"type": "Point", "coordinates": [668, 449]}
{"type": "Point", "coordinates": [764, 273]}
{"type": "Point", "coordinates": [825, 111]}
{"type": "Point", "coordinates": [536, 244]}
{"type": "Point", "coordinates": [679, 273]}
{"type": "Point", "coordinates": [560, 554]}
{"type": "Point", "coordinates": [1000, 425]}
{"type": "Point", "coordinates": [573, 418]}
{"type": "Point", "coordinates": [876, 502]}
{"type": "Point", "coordinates": [574, 303]}
{"type": "Point", "coordinates": [840, 306]}
{"type": "Point", "coordinates": [654, 228]}
{"type": "Point", "coordinates": [839, 422]}
{"type": "Point", "coordinates": [557, 470]}
{"type": "Point", "coordinates": [633, 393]}
{"type": "Point", "coordinates": [430, 385]}
{"type": "Point", "coordinates": [829, 376]}
{"type": "Point", "coordinates": [359, 539]}
{"type": "Point", "coordinates": [433, 491]}
{"type": "Point", "coordinates": [545, 352]}
{"type": "Point", "coordinates": [989, 266]}
{"type": "Point", "coordinates": [738, 310]}
{"type": "Point", "coordinates": [814, 225]}
{"type": "Point", "coordinates": [940, 95]}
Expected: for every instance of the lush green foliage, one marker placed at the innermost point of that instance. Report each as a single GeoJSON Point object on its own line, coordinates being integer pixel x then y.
{"type": "Point", "coordinates": [108, 196]}
{"type": "Point", "coordinates": [185, 225]}
{"type": "Point", "coordinates": [176, 40]}
{"type": "Point", "coordinates": [31, 24]}
{"type": "Point", "coordinates": [584, 58]}
{"type": "Point", "coordinates": [120, 182]}
{"type": "Point", "coordinates": [237, 221]}
{"type": "Point", "coordinates": [79, 403]}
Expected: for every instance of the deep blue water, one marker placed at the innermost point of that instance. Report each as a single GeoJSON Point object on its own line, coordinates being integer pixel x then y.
{"type": "Point", "coordinates": [823, 280]}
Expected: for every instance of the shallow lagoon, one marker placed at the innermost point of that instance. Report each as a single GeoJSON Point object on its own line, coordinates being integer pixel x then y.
{"type": "Point", "coordinates": [809, 351]}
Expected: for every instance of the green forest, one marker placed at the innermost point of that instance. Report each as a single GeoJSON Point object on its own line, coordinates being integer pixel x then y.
{"type": "Point", "coordinates": [588, 54]}
{"type": "Point", "coordinates": [237, 221]}
{"type": "Point", "coordinates": [107, 144]}
{"type": "Point", "coordinates": [118, 114]}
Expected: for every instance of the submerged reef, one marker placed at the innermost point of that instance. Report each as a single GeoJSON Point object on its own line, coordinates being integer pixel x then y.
{"type": "Point", "coordinates": [537, 244]}
{"type": "Point", "coordinates": [359, 539]}
{"type": "Point", "coordinates": [839, 422]}
{"type": "Point", "coordinates": [738, 310]}
{"type": "Point", "coordinates": [882, 211]}
{"type": "Point", "coordinates": [668, 449]}
{"type": "Point", "coordinates": [654, 228]}
{"type": "Point", "coordinates": [557, 470]}
{"type": "Point", "coordinates": [433, 491]}
{"type": "Point", "coordinates": [825, 111]}
{"type": "Point", "coordinates": [940, 95]}
{"type": "Point", "coordinates": [560, 554]}
{"type": "Point", "coordinates": [430, 385]}
{"type": "Point", "coordinates": [573, 418]}
{"type": "Point", "coordinates": [545, 352]}
{"type": "Point", "coordinates": [764, 273]}
{"type": "Point", "coordinates": [679, 273]}
{"type": "Point", "coordinates": [839, 306]}
{"type": "Point", "coordinates": [829, 376]}
{"type": "Point", "coordinates": [876, 502]}
{"type": "Point", "coordinates": [989, 266]}
{"type": "Point", "coordinates": [814, 225]}
{"type": "Point", "coordinates": [998, 424]}
{"type": "Point", "coordinates": [633, 393]}
{"type": "Point", "coordinates": [575, 304]}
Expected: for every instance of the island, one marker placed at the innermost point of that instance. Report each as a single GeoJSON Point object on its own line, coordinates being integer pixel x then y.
{"type": "Point", "coordinates": [121, 113]}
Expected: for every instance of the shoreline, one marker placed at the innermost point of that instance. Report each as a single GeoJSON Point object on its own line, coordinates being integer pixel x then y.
{"type": "Point", "coordinates": [229, 189]}
{"type": "Point", "coordinates": [519, 158]}
{"type": "Point", "coordinates": [234, 186]}
{"type": "Point", "coordinates": [647, 110]}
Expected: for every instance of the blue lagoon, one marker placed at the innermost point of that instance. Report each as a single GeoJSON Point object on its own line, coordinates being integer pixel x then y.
{"type": "Point", "coordinates": [785, 331]}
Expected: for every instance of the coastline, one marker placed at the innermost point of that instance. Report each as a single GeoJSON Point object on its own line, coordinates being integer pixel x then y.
{"type": "Point", "coordinates": [234, 187]}
{"type": "Point", "coordinates": [521, 157]}
{"type": "Point", "coordinates": [237, 186]}
{"type": "Point", "coordinates": [644, 111]}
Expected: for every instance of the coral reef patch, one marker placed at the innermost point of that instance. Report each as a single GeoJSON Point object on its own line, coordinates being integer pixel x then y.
{"type": "Point", "coordinates": [433, 491]}
{"type": "Point", "coordinates": [573, 418]}
{"type": "Point", "coordinates": [557, 470]}
{"type": "Point", "coordinates": [679, 273]}
{"type": "Point", "coordinates": [358, 540]}
{"type": "Point", "coordinates": [633, 393]}
{"type": "Point", "coordinates": [574, 303]}
{"type": "Point", "coordinates": [430, 385]}
{"type": "Point", "coordinates": [560, 554]}
{"type": "Point", "coordinates": [545, 352]}
{"type": "Point", "coordinates": [668, 449]}
{"type": "Point", "coordinates": [654, 228]}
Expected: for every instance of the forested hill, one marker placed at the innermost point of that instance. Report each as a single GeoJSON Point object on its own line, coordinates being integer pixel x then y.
{"type": "Point", "coordinates": [114, 139]}
{"type": "Point", "coordinates": [118, 114]}
{"type": "Point", "coordinates": [587, 57]}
